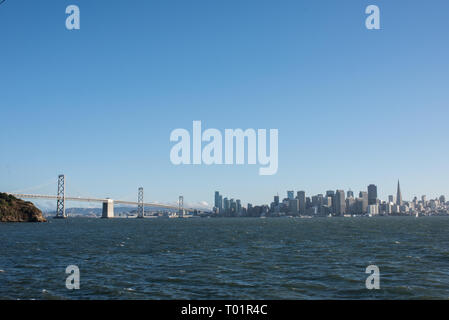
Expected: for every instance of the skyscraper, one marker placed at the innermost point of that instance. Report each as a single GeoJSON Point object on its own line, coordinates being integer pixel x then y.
{"type": "Point", "coordinates": [372, 194]}
{"type": "Point", "coordinates": [226, 206]}
{"type": "Point", "coordinates": [217, 198]}
{"type": "Point", "coordinates": [316, 201]}
{"type": "Point", "coordinates": [276, 200]}
{"type": "Point", "coordinates": [301, 196]}
{"type": "Point", "coordinates": [290, 195]}
{"type": "Point", "coordinates": [364, 201]}
{"type": "Point", "coordinates": [399, 196]}
{"type": "Point", "coordinates": [340, 204]}
{"type": "Point", "coordinates": [331, 194]}
{"type": "Point", "coordinates": [218, 201]}
{"type": "Point", "coordinates": [233, 207]}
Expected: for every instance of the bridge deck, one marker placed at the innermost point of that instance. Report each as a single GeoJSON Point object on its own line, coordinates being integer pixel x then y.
{"type": "Point", "coordinates": [83, 199]}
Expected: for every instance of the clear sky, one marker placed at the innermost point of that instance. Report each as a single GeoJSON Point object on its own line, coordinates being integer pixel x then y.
{"type": "Point", "coordinates": [352, 106]}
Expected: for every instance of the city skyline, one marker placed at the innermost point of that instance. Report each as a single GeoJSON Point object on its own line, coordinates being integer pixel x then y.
{"type": "Point", "coordinates": [384, 195]}
{"type": "Point", "coordinates": [337, 203]}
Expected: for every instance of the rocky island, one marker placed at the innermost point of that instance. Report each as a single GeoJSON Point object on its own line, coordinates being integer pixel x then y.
{"type": "Point", "coordinates": [16, 210]}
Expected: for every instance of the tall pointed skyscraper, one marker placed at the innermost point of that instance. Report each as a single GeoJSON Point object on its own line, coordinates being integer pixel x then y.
{"type": "Point", "coordinates": [399, 195]}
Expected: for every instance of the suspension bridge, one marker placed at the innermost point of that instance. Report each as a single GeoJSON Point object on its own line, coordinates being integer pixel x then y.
{"type": "Point", "coordinates": [108, 204]}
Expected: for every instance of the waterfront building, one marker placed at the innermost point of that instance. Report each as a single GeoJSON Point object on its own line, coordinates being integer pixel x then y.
{"type": "Point", "coordinates": [293, 206]}
{"type": "Point", "coordinates": [327, 201]}
{"type": "Point", "coordinates": [373, 209]}
{"type": "Point", "coordinates": [389, 208]}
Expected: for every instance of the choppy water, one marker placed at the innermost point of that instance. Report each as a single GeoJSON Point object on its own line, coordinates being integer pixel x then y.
{"type": "Point", "coordinates": [226, 258]}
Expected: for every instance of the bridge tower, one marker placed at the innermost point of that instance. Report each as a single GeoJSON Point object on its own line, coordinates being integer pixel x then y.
{"type": "Point", "coordinates": [140, 208]}
{"type": "Point", "coordinates": [60, 204]}
{"type": "Point", "coordinates": [181, 206]}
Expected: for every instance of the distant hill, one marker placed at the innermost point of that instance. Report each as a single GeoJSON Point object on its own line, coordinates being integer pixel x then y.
{"type": "Point", "coordinates": [16, 210]}
{"type": "Point", "coordinates": [96, 212]}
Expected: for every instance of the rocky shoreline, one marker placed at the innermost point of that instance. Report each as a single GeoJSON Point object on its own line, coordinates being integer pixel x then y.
{"type": "Point", "coordinates": [17, 210]}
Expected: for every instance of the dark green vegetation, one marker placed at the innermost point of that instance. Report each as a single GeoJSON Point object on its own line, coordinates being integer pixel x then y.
{"type": "Point", "coordinates": [16, 210]}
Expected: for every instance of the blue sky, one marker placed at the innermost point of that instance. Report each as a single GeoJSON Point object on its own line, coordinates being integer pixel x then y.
{"type": "Point", "coordinates": [352, 106]}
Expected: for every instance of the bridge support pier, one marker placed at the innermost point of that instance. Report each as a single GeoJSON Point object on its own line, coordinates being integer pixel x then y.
{"type": "Point", "coordinates": [108, 209]}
